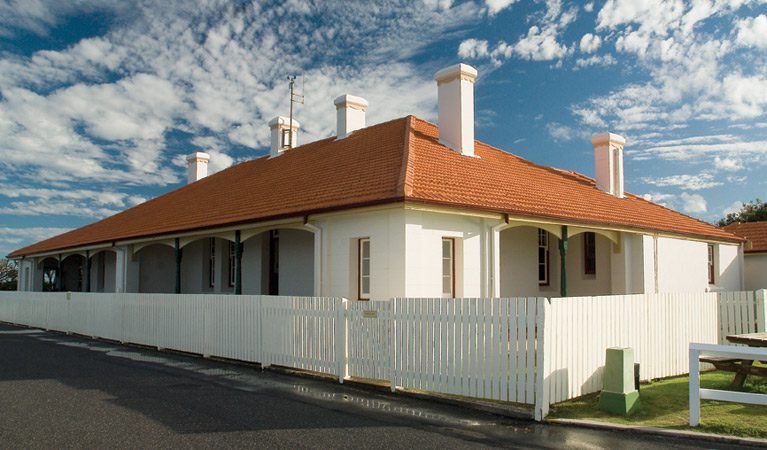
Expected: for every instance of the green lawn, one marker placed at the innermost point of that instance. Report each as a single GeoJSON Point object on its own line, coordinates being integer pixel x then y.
{"type": "Point", "coordinates": [665, 404]}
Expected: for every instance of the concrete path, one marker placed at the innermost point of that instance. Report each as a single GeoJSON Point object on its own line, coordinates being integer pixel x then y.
{"type": "Point", "coordinates": [60, 391]}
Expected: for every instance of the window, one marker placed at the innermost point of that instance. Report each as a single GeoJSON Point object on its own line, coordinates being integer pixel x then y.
{"type": "Point", "coordinates": [363, 269]}
{"type": "Point", "coordinates": [589, 253]}
{"type": "Point", "coordinates": [231, 263]}
{"type": "Point", "coordinates": [711, 264]}
{"type": "Point", "coordinates": [543, 257]}
{"type": "Point", "coordinates": [212, 262]}
{"type": "Point", "coordinates": [448, 267]}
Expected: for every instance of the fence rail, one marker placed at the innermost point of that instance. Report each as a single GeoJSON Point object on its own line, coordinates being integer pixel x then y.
{"type": "Point", "coordinates": [534, 351]}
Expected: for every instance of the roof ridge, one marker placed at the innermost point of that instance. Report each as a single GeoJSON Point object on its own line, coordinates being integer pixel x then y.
{"type": "Point", "coordinates": [405, 181]}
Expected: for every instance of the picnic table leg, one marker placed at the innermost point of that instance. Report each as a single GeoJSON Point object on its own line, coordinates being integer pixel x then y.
{"type": "Point", "coordinates": [744, 370]}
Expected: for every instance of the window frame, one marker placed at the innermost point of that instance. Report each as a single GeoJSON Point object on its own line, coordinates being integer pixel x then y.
{"type": "Point", "coordinates": [711, 264]}
{"type": "Point", "coordinates": [360, 268]}
{"type": "Point", "coordinates": [546, 257]}
{"type": "Point", "coordinates": [589, 253]}
{"type": "Point", "coordinates": [451, 240]}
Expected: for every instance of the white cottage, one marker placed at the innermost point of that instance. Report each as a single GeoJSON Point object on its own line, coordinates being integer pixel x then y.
{"type": "Point", "coordinates": [403, 208]}
{"type": "Point", "coordinates": [755, 258]}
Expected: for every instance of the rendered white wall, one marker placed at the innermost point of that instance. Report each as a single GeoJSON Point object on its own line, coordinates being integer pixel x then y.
{"type": "Point", "coordinates": [157, 269]}
{"type": "Point", "coordinates": [254, 262]}
{"type": "Point", "coordinates": [103, 271]}
{"type": "Point", "coordinates": [682, 265]}
{"type": "Point", "coordinates": [755, 271]}
{"type": "Point", "coordinates": [727, 261]}
{"type": "Point", "coordinates": [386, 230]}
{"type": "Point", "coordinates": [296, 265]}
{"type": "Point", "coordinates": [519, 264]}
{"type": "Point", "coordinates": [578, 283]}
{"type": "Point", "coordinates": [423, 253]}
{"type": "Point", "coordinates": [194, 277]}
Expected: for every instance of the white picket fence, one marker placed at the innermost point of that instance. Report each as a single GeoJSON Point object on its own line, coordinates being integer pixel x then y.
{"type": "Point", "coordinates": [533, 351]}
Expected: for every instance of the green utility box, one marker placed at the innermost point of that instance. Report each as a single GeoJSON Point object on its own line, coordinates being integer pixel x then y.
{"type": "Point", "coordinates": [619, 395]}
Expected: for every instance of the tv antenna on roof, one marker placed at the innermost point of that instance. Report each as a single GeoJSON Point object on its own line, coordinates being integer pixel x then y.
{"type": "Point", "coordinates": [295, 97]}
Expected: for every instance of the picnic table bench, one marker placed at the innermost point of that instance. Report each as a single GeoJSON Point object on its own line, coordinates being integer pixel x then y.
{"type": "Point", "coordinates": [741, 367]}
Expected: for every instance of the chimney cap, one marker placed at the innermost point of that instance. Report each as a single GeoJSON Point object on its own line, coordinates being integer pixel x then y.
{"type": "Point", "coordinates": [280, 121]}
{"type": "Point", "coordinates": [607, 138]}
{"type": "Point", "coordinates": [351, 101]}
{"type": "Point", "coordinates": [462, 71]}
{"type": "Point", "coordinates": [197, 156]}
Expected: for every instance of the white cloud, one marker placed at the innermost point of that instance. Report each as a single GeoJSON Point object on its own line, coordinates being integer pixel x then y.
{"type": "Point", "coordinates": [496, 6]}
{"type": "Point", "coordinates": [590, 43]}
{"type": "Point", "coordinates": [596, 60]}
{"type": "Point", "coordinates": [667, 200]}
{"type": "Point", "coordinates": [38, 16]}
{"type": "Point", "coordinates": [15, 238]}
{"type": "Point", "coordinates": [729, 164]}
{"type": "Point", "coordinates": [540, 44]}
{"type": "Point", "coordinates": [693, 203]}
{"type": "Point", "coordinates": [733, 208]}
{"type": "Point", "coordinates": [687, 182]}
{"type": "Point", "coordinates": [473, 48]}
{"type": "Point", "coordinates": [102, 109]}
{"type": "Point", "coordinates": [752, 31]}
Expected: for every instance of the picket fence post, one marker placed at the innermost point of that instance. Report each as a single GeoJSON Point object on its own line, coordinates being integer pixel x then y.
{"type": "Point", "coordinates": [760, 297]}
{"type": "Point", "coordinates": [392, 343]}
{"type": "Point", "coordinates": [341, 344]}
{"type": "Point", "coordinates": [541, 362]}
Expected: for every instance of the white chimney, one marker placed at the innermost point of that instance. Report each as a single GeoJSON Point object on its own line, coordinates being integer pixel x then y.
{"type": "Point", "coordinates": [455, 86]}
{"type": "Point", "coordinates": [283, 137]}
{"type": "Point", "coordinates": [608, 162]}
{"type": "Point", "coordinates": [350, 114]}
{"type": "Point", "coordinates": [196, 166]}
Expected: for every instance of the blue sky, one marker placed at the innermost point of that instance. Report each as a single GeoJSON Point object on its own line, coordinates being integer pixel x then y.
{"type": "Point", "coordinates": [100, 100]}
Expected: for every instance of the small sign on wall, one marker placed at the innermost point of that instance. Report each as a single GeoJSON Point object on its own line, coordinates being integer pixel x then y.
{"type": "Point", "coordinates": [370, 314]}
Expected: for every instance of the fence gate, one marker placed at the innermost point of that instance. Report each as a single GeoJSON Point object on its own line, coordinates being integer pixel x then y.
{"type": "Point", "coordinates": [369, 340]}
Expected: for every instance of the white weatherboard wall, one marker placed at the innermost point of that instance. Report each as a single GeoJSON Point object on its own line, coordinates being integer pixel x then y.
{"type": "Point", "coordinates": [755, 270]}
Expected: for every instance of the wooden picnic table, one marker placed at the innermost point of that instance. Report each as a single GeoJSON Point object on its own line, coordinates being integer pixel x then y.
{"type": "Point", "coordinates": [741, 367]}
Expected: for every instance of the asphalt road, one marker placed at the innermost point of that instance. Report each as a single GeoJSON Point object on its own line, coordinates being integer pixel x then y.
{"type": "Point", "coordinates": [60, 391]}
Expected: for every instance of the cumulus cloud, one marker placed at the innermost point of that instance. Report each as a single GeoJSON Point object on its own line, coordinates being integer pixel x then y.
{"type": "Point", "coordinates": [92, 128]}
{"type": "Point", "coordinates": [496, 6]}
{"type": "Point", "coordinates": [590, 43]}
{"type": "Point", "coordinates": [473, 48]}
{"type": "Point", "coordinates": [733, 208]}
{"type": "Point", "coordinates": [541, 42]}
{"type": "Point", "coordinates": [752, 31]}
{"type": "Point", "coordinates": [693, 203]}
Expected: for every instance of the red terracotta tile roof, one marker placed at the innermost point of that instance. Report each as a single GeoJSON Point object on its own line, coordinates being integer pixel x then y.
{"type": "Point", "coordinates": [390, 162]}
{"type": "Point", "coordinates": [754, 232]}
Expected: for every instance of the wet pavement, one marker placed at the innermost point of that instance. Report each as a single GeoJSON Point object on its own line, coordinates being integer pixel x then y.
{"type": "Point", "coordinates": [59, 391]}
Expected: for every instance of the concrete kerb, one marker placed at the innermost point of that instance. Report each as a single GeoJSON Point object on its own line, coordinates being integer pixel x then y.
{"type": "Point", "coordinates": [717, 438]}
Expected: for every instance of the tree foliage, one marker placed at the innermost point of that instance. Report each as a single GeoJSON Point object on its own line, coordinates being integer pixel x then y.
{"type": "Point", "coordinates": [753, 211]}
{"type": "Point", "coordinates": [9, 275]}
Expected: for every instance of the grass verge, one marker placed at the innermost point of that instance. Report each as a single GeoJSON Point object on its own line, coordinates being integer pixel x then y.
{"type": "Point", "coordinates": [665, 404]}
